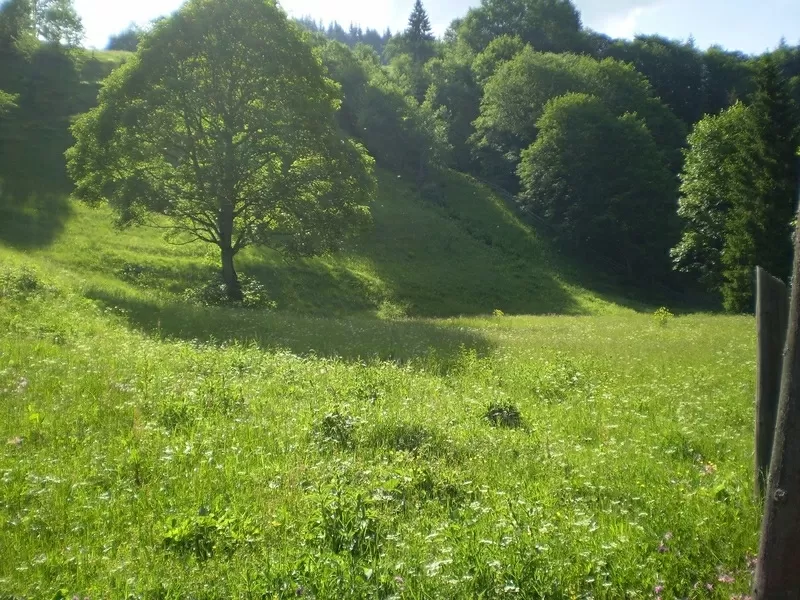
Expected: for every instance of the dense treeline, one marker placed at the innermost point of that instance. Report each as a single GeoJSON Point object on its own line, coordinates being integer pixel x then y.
{"type": "Point", "coordinates": [589, 132]}
{"type": "Point", "coordinates": [44, 80]}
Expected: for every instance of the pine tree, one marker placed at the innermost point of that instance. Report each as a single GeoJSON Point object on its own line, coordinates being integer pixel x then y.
{"type": "Point", "coordinates": [419, 25]}
{"type": "Point", "coordinates": [418, 37]}
{"type": "Point", "coordinates": [776, 120]}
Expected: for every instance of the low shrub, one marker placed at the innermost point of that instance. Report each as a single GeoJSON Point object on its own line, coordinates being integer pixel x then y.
{"type": "Point", "coordinates": [215, 293]}
{"type": "Point", "coordinates": [504, 415]}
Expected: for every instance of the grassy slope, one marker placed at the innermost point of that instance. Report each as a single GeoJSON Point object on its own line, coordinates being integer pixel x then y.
{"type": "Point", "coordinates": [158, 449]}
{"type": "Point", "coordinates": [463, 256]}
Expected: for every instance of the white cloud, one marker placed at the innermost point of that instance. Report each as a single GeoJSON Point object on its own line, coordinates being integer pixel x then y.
{"type": "Point", "coordinates": [627, 25]}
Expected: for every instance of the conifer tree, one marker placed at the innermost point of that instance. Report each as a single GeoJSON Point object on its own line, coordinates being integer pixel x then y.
{"type": "Point", "coordinates": [418, 36]}
{"type": "Point", "coordinates": [419, 25]}
{"type": "Point", "coordinates": [758, 227]}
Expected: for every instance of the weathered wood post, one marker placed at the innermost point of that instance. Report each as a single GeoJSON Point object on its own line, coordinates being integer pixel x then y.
{"type": "Point", "coordinates": [772, 316]}
{"type": "Point", "coordinates": [778, 569]}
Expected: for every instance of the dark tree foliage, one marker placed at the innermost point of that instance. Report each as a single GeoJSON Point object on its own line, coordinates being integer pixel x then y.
{"type": "Point", "coordinates": [16, 21]}
{"type": "Point", "coordinates": [351, 37]}
{"type": "Point", "coordinates": [739, 191]}
{"type": "Point", "coordinates": [399, 132]}
{"type": "Point", "coordinates": [776, 121]}
{"type": "Point", "coordinates": [788, 59]}
{"type": "Point", "coordinates": [692, 83]}
{"type": "Point", "coordinates": [418, 37]}
{"type": "Point", "coordinates": [675, 70]}
{"type": "Point", "coordinates": [42, 80]}
{"type": "Point", "coordinates": [596, 44]}
{"type": "Point", "coordinates": [758, 229]}
{"type": "Point", "coordinates": [455, 90]}
{"type": "Point", "coordinates": [728, 78]}
{"type": "Point", "coordinates": [619, 204]}
{"type": "Point", "coordinates": [419, 25]}
{"type": "Point", "coordinates": [547, 25]}
{"type": "Point", "coordinates": [127, 40]}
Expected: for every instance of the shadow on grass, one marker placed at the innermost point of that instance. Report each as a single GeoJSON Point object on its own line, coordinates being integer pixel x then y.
{"type": "Point", "coordinates": [309, 286]}
{"type": "Point", "coordinates": [491, 216]}
{"type": "Point", "coordinates": [456, 251]}
{"type": "Point", "coordinates": [420, 343]}
{"type": "Point", "coordinates": [34, 188]}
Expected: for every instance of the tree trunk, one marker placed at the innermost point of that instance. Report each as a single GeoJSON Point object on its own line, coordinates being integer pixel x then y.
{"type": "Point", "coordinates": [778, 570]}
{"type": "Point", "coordinates": [230, 277]}
{"type": "Point", "coordinates": [772, 315]}
{"type": "Point", "coordinates": [226, 216]}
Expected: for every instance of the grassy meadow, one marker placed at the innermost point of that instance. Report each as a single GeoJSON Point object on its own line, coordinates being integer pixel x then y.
{"type": "Point", "coordinates": [377, 433]}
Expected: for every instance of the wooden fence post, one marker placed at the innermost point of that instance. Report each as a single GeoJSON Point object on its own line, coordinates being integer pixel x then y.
{"type": "Point", "coordinates": [772, 315]}
{"type": "Point", "coordinates": [778, 568]}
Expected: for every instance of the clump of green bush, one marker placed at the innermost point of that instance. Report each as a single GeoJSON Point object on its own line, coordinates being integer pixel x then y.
{"type": "Point", "coordinates": [504, 415]}
{"type": "Point", "coordinates": [663, 316]}
{"type": "Point", "coordinates": [215, 293]}
{"type": "Point", "coordinates": [21, 283]}
{"type": "Point", "coordinates": [392, 311]}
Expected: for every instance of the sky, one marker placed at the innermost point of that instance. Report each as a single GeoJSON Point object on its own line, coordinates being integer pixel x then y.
{"type": "Point", "coordinates": [751, 26]}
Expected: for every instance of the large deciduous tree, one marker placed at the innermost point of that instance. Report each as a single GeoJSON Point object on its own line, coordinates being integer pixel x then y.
{"type": "Point", "coordinates": [602, 184]}
{"type": "Point", "coordinates": [716, 176]}
{"type": "Point", "coordinates": [547, 25]}
{"type": "Point", "coordinates": [516, 94]}
{"type": "Point", "coordinates": [224, 122]}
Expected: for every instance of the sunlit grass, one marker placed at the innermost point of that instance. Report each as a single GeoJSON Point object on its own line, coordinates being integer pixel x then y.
{"type": "Point", "coordinates": [146, 464]}
{"type": "Point", "coordinates": [157, 449]}
{"type": "Point", "coordinates": [466, 256]}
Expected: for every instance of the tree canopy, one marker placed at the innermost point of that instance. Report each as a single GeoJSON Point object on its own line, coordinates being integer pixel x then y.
{"type": "Point", "coordinates": [739, 191]}
{"type": "Point", "coordinates": [547, 25]}
{"type": "Point", "coordinates": [674, 69]}
{"type": "Point", "coordinates": [400, 132]}
{"type": "Point", "coordinates": [419, 24]}
{"type": "Point", "coordinates": [516, 95]}
{"type": "Point", "coordinates": [616, 205]}
{"type": "Point", "coordinates": [127, 40]}
{"type": "Point", "coordinates": [224, 122]}
{"type": "Point", "coordinates": [714, 178]}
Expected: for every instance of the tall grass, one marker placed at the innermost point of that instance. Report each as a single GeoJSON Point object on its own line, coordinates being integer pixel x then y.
{"type": "Point", "coordinates": [347, 444]}
{"type": "Point", "coordinates": [141, 463]}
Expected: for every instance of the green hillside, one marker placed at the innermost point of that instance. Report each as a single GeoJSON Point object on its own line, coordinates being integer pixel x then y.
{"type": "Point", "coordinates": [460, 252]}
